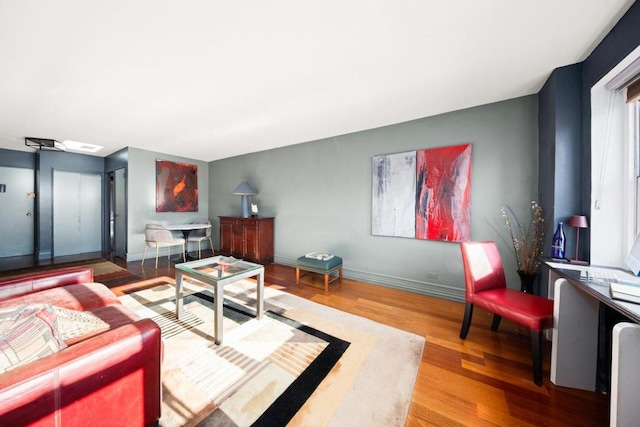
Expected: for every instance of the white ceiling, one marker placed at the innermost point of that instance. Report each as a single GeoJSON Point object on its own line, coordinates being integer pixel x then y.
{"type": "Point", "coordinates": [210, 79]}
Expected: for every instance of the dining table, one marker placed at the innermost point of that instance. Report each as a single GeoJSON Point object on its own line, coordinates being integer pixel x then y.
{"type": "Point", "coordinates": [186, 230]}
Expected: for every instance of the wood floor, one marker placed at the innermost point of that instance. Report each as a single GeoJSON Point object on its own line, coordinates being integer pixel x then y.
{"type": "Point", "coordinates": [485, 380]}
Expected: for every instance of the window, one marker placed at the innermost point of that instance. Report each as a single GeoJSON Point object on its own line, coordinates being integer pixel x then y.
{"type": "Point", "coordinates": [636, 135]}
{"type": "Point", "coordinates": [615, 164]}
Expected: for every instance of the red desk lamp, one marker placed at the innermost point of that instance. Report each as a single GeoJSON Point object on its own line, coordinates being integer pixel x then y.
{"type": "Point", "coordinates": [578, 222]}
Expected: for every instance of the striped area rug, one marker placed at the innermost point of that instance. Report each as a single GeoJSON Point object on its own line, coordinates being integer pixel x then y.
{"type": "Point", "coordinates": [261, 374]}
{"type": "Point", "coordinates": [303, 364]}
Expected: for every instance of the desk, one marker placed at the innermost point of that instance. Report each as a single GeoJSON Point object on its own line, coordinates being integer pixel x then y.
{"type": "Point", "coordinates": [186, 230]}
{"type": "Point", "coordinates": [578, 293]}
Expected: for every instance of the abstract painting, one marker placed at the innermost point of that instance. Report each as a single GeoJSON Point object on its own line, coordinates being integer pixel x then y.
{"type": "Point", "coordinates": [423, 194]}
{"type": "Point", "coordinates": [176, 187]}
{"type": "Point", "coordinates": [444, 193]}
{"type": "Point", "coordinates": [393, 198]}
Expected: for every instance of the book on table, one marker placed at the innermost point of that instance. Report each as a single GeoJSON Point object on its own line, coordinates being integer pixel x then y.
{"type": "Point", "coordinates": [625, 290]}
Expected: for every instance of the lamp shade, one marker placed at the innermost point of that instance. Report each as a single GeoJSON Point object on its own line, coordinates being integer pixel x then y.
{"type": "Point", "coordinates": [578, 221]}
{"type": "Point", "coordinates": [244, 189]}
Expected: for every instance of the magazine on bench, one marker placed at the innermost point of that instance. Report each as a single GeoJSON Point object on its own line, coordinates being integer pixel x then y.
{"type": "Point", "coordinates": [319, 256]}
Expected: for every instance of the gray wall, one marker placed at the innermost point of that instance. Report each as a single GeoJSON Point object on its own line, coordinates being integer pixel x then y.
{"type": "Point", "coordinates": [141, 196]}
{"type": "Point", "coordinates": [320, 193]}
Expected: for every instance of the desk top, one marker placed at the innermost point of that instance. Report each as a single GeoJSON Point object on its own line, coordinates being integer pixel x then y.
{"type": "Point", "coordinates": [186, 226]}
{"type": "Point", "coordinates": [592, 280]}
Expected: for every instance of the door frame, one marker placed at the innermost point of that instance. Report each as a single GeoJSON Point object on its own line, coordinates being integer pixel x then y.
{"type": "Point", "coordinates": [112, 218]}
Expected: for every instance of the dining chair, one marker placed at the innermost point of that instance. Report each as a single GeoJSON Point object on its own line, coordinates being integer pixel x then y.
{"type": "Point", "coordinates": [157, 236]}
{"type": "Point", "coordinates": [200, 235]}
{"type": "Point", "coordinates": [486, 287]}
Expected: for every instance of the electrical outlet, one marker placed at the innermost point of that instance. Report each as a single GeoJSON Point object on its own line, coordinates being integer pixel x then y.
{"type": "Point", "coordinates": [432, 275]}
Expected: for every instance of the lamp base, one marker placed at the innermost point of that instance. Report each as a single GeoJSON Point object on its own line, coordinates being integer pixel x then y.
{"type": "Point", "coordinates": [245, 206]}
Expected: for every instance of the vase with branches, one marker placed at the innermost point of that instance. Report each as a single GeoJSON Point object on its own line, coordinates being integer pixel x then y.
{"type": "Point", "coordinates": [526, 240]}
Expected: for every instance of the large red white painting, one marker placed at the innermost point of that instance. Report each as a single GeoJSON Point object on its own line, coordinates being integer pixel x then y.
{"type": "Point", "coordinates": [423, 194]}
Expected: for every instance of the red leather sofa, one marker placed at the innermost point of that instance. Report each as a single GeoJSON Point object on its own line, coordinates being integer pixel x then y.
{"type": "Point", "coordinates": [107, 378]}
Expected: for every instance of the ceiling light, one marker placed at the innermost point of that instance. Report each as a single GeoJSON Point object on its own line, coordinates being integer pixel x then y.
{"type": "Point", "coordinates": [83, 146]}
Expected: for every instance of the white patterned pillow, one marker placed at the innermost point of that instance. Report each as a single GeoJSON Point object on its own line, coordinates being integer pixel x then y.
{"type": "Point", "coordinates": [73, 324]}
{"type": "Point", "coordinates": [28, 332]}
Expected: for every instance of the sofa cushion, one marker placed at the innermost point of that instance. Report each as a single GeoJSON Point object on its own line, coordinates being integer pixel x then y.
{"type": "Point", "coordinates": [114, 316]}
{"type": "Point", "coordinates": [28, 332]}
{"type": "Point", "coordinates": [30, 283]}
{"type": "Point", "coordinates": [80, 297]}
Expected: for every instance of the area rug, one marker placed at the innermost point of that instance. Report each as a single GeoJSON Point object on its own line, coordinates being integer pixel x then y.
{"type": "Point", "coordinates": [302, 364]}
{"type": "Point", "coordinates": [110, 274]}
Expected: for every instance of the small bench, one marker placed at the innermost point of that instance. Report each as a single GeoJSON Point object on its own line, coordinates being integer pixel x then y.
{"type": "Point", "coordinates": [327, 267]}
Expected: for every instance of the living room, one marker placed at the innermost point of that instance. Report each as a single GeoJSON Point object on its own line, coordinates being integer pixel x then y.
{"type": "Point", "coordinates": [530, 147]}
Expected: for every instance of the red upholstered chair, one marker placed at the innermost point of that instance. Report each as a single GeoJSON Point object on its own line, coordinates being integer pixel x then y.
{"type": "Point", "coordinates": [486, 287]}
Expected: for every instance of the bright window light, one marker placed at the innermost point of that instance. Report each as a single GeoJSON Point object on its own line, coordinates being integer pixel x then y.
{"type": "Point", "coordinates": [82, 146]}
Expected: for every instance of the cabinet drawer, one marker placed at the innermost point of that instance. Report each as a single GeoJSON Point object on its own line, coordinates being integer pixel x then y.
{"type": "Point", "coordinates": [239, 221]}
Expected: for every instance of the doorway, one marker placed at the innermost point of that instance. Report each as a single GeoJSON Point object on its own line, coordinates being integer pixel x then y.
{"type": "Point", "coordinates": [77, 213]}
{"type": "Point", "coordinates": [118, 214]}
{"type": "Point", "coordinates": [17, 223]}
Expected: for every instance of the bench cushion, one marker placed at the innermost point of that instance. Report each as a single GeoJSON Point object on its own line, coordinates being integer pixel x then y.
{"type": "Point", "coordinates": [326, 265]}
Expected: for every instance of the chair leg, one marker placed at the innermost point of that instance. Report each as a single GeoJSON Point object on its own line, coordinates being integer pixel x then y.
{"type": "Point", "coordinates": [184, 256]}
{"type": "Point", "coordinates": [466, 322]}
{"type": "Point", "coordinates": [157, 256]}
{"type": "Point", "coordinates": [496, 322]}
{"type": "Point", "coordinates": [144, 254]}
{"type": "Point", "coordinates": [537, 346]}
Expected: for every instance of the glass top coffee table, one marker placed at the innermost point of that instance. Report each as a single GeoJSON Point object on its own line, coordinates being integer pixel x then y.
{"type": "Point", "coordinates": [215, 273]}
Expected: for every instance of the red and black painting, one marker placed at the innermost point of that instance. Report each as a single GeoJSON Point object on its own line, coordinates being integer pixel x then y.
{"type": "Point", "coordinates": [443, 192]}
{"type": "Point", "coordinates": [176, 187]}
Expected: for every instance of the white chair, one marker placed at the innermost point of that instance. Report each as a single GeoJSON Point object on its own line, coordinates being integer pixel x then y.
{"type": "Point", "coordinates": [201, 234]}
{"type": "Point", "coordinates": [158, 236]}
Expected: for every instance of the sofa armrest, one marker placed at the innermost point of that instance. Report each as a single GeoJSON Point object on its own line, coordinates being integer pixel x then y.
{"type": "Point", "coordinates": [112, 376]}
{"type": "Point", "coordinates": [51, 279]}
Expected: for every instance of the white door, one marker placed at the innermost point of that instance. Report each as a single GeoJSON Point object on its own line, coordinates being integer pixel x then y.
{"type": "Point", "coordinates": [16, 223]}
{"type": "Point", "coordinates": [120, 215]}
{"type": "Point", "coordinates": [77, 213]}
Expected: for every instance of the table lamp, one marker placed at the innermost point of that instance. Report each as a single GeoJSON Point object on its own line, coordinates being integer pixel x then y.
{"type": "Point", "coordinates": [578, 222]}
{"type": "Point", "coordinates": [243, 189]}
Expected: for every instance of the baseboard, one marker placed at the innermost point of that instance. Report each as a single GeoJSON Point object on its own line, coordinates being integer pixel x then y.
{"type": "Point", "coordinates": [420, 287]}
{"type": "Point", "coordinates": [417, 286]}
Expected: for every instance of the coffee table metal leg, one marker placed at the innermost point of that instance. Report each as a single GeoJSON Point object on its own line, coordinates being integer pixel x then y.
{"type": "Point", "coordinates": [260, 292]}
{"type": "Point", "coordinates": [179, 295]}
{"type": "Point", "coordinates": [217, 319]}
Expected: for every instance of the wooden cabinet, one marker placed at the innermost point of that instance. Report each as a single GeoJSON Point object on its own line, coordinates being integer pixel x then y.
{"type": "Point", "coordinates": [247, 238]}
